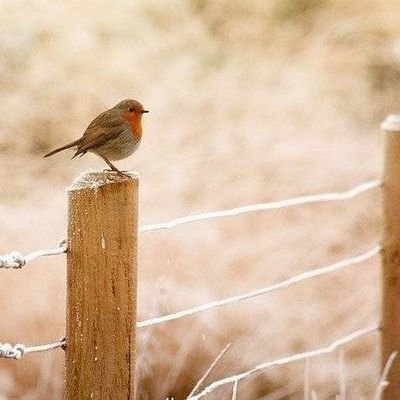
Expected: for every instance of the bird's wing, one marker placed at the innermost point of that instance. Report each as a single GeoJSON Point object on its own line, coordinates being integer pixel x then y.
{"type": "Point", "coordinates": [103, 128]}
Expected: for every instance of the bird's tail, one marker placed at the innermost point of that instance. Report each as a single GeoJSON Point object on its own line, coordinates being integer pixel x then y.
{"type": "Point", "coordinates": [67, 146]}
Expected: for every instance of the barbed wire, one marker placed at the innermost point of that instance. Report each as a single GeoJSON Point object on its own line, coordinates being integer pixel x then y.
{"type": "Point", "coordinates": [19, 350]}
{"type": "Point", "coordinates": [296, 201]}
{"type": "Point", "coordinates": [16, 260]}
{"type": "Point", "coordinates": [280, 285]}
{"type": "Point", "coordinates": [285, 360]}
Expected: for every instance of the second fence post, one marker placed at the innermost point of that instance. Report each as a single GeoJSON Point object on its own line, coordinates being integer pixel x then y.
{"type": "Point", "coordinates": [101, 287]}
{"type": "Point", "coordinates": [391, 255]}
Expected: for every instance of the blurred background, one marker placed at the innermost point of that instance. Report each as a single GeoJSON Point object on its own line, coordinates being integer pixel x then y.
{"type": "Point", "coordinates": [250, 101]}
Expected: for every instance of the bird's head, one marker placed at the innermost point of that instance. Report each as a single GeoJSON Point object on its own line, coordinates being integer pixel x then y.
{"type": "Point", "coordinates": [131, 106]}
{"type": "Point", "coordinates": [132, 111]}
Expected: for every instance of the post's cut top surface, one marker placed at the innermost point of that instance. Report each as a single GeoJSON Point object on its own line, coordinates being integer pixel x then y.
{"type": "Point", "coordinates": [94, 180]}
{"type": "Point", "coordinates": [391, 123]}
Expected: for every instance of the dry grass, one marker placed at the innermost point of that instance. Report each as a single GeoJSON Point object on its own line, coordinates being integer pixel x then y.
{"type": "Point", "coordinates": [250, 101]}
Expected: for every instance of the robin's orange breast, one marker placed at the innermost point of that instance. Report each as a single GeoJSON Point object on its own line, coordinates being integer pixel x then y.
{"type": "Point", "coordinates": [134, 120]}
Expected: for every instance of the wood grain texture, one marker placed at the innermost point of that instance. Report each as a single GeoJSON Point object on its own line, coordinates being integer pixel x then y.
{"type": "Point", "coordinates": [101, 287]}
{"type": "Point", "coordinates": [391, 261]}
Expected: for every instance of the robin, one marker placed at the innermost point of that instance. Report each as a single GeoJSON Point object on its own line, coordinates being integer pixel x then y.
{"type": "Point", "coordinates": [113, 135]}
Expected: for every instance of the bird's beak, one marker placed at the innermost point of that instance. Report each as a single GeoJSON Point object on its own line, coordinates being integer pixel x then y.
{"type": "Point", "coordinates": [145, 111]}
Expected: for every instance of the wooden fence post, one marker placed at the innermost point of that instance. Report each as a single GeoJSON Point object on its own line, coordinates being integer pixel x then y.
{"type": "Point", "coordinates": [101, 287]}
{"type": "Point", "coordinates": [391, 255]}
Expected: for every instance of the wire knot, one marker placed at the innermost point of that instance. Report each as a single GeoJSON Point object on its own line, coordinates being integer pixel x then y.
{"type": "Point", "coordinates": [9, 351]}
{"type": "Point", "coordinates": [15, 259]}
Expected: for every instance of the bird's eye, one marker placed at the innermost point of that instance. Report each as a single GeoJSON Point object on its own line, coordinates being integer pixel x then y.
{"type": "Point", "coordinates": [131, 109]}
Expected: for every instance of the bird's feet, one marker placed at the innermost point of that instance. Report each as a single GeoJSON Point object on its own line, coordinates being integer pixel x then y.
{"type": "Point", "coordinates": [117, 171]}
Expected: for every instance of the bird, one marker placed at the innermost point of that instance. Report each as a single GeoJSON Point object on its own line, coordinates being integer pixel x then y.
{"type": "Point", "coordinates": [114, 134]}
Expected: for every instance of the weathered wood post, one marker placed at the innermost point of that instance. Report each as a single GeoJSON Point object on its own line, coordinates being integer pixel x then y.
{"type": "Point", "coordinates": [101, 286]}
{"type": "Point", "coordinates": [391, 255]}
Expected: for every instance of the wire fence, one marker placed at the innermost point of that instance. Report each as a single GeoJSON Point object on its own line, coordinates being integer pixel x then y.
{"type": "Point", "coordinates": [16, 260]}
{"type": "Point", "coordinates": [315, 272]}
{"type": "Point", "coordinates": [17, 351]}
{"type": "Point", "coordinates": [235, 379]}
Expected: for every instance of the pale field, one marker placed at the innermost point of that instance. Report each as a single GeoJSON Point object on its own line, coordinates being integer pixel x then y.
{"type": "Point", "coordinates": [250, 101]}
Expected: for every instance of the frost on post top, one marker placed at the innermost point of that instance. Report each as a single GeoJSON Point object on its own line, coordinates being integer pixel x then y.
{"type": "Point", "coordinates": [391, 123]}
{"type": "Point", "coordinates": [94, 180]}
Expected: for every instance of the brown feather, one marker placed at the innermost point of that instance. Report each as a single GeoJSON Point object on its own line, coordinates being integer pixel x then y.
{"type": "Point", "coordinates": [104, 127]}
{"type": "Point", "coordinates": [67, 146]}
